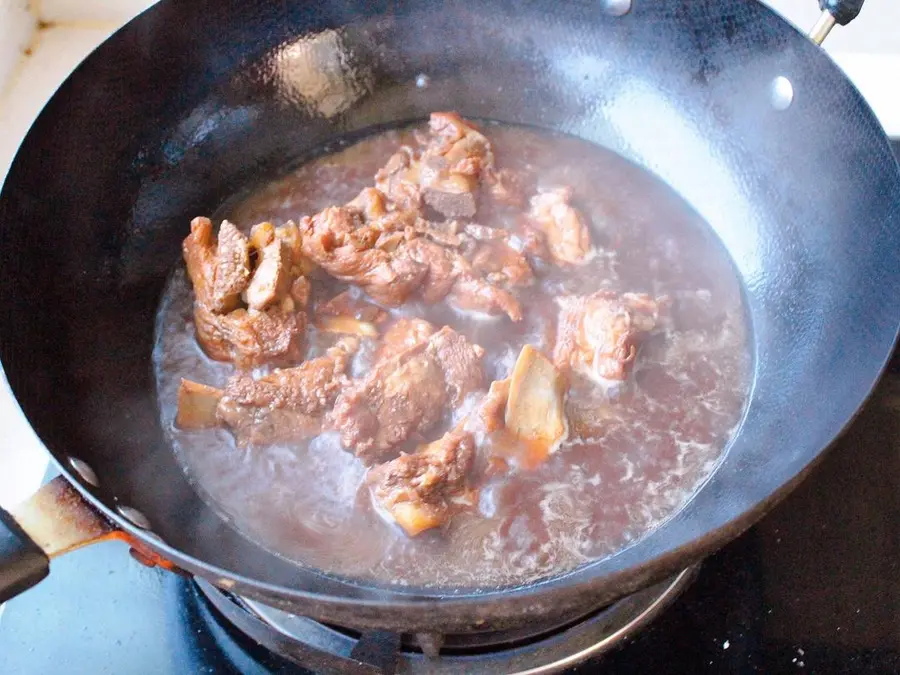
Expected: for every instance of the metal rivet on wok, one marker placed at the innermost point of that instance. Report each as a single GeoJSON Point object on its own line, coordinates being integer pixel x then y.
{"type": "Point", "coordinates": [782, 93]}
{"type": "Point", "coordinates": [134, 516]}
{"type": "Point", "coordinates": [616, 7]}
{"type": "Point", "coordinates": [82, 469]}
{"type": "Point", "coordinates": [422, 81]}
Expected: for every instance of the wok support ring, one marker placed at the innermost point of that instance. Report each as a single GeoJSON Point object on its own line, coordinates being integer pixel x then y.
{"type": "Point", "coordinates": [329, 649]}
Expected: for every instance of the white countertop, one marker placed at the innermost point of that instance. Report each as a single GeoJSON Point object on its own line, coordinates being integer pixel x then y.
{"type": "Point", "coordinates": [868, 50]}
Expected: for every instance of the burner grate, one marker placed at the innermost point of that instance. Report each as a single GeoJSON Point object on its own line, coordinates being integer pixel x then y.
{"type": "Point", "coordinates": [540, 648]}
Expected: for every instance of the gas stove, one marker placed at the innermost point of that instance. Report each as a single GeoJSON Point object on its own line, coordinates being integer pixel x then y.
{"type": "Point", "coordinates": [814, 587]}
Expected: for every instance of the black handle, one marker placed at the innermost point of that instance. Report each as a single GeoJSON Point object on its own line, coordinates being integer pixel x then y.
{"type": "Point", "coordinates": [843, 11]}
{"type": "Point", "coordinates": [22, 562]}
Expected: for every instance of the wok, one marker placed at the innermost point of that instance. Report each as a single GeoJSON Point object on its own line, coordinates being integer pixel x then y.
{"type": "Point", "coordinates": [740, 113]}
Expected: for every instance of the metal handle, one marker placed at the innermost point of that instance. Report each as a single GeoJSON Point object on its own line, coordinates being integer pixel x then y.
{"type": "Point", "coordinates": [55, 520]}
{"type": "Point", "coordinates": [834, 11]}
{"type": "Point", "coordinates": [22, 562]}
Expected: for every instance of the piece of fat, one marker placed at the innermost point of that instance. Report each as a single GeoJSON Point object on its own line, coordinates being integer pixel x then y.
{"type": "Point", "coordinates": [535, 411]}
{"type": "Point", "coordinates": [347, 325]}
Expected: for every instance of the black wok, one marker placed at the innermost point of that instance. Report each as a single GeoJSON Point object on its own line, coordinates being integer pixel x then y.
{"type": "Point", "coordinates": [193, 101]}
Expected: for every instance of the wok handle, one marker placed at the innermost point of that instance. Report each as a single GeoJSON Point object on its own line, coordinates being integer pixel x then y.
{"type": "Point", "coordinates": [843, 11]}
{"type": "Point", "coordinates": [22, 562]}
{"type": "Point", "coordinates": [53, 521]}
{"type": "Point", "coordinates": [834, 11]}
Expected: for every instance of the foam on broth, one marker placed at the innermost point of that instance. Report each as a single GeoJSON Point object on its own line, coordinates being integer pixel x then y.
{"type": "Point", "coordinates": [654, 441]}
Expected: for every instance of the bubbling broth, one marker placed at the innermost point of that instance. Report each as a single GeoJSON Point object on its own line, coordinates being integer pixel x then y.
{"type": "Point", "coordinates": [637, 443]}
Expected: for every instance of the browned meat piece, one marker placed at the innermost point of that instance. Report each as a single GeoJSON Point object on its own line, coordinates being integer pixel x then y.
{"type": "Point", "coordinates": [370, 202]}
{"type": "Point", "coordinates": [452, 276]}
{"type": "Point", "coordinates": [394, 181]}
{"type": "Point", "coordinates": [420, 491]}
{"type": "Point", "coordinates": [442, 265]}
{"type": "Point", "coordinates": [475, 294]}
{"type": "Point", "coordinates": [287, 405]}
{"type": "Point", "coordinates": [219, 270]}
{"type": "Point", "coordinates": [460, 363]}
{"type": "Point", "coordinates": [446, 233]}
{"type": "Point", "coordinates": [271, 279]}
{"type": "Point", "coordinates": [403, 335]}
{"type": "Point", "coordinates": [567, 234]}
{"type": "Point", "coordinates": [460, 142]}
{"type": "Point", "coordinates": [501, 264]}
{"type": "Point", "coordinates": [232, 268]}
{"type": "Point", "coordinates": [400, 396]}
{"type": "Point", "coordinates": [250, 337]}
{"type": "Point", "coordinates": [447, 172]}
{"type": "Point", "coordinates": [272, 327]}
{"type": "Point", "coordinates": [338, 241]}
{"type": "Point", "coordinates": [263, 234]}
{"type": "Point", "coordinates": [599, 334]}
{"type": "Point", "coordinates": [197, 405]}
{"type": "Point", "coordinates": [407, 393]}
{"type": "Point", "coordinates": [451, 198]}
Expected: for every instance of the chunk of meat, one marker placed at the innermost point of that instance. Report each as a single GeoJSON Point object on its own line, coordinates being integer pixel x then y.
{"type": "Point", "coordinates": [395, 181]}
{"type": "Point", "coordinates": [452, 276]}
{"type": "Point", "coordinates": [403, 335]}
{"type": "Point", "coordinates": [250, 337]}
{"type": "Point", "coordinates": [407, 394]}
{"type": "Point", "coordinates": [472, 293]}
{"type": "Point", "coordinates": [197, 405]}
{"type": "Point", "coordinates": [218, 269]}
{"type": "Point", "coordinates": [337, 240]}
{"type": "Point", "coordinates": [271, 279]}
{"type": "Point", "coordinates": [446, 233]}
{"type": "Point", "coordinates": [287, 405]}
{"type": "Point", "coordinates": [445, 174]}
{"type": "Point", "coordinates": [501, 264]}
{"type": "Point", "coordinates": [442, 266]}
{"type": "Point", "coordinates": [453, 196]}
{"type": "Point", "coordinates": [599, 334]}
{"type": "Point", "coordinates": [272, 325]}
{"type": "Point", "coordinates": [232, 268]}
{"type": "Point", "coordinates": [535, 409]}
{"type": "Point", "coordinates": [567, 234]}
{"type": "Point", "coordinates": [420, 491]}
{"type": "Point", "coordinates": [460, 363]}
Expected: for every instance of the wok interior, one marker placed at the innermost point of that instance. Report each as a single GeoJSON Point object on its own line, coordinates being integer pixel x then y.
{"type": "Point", "coordinates": [189, 104]}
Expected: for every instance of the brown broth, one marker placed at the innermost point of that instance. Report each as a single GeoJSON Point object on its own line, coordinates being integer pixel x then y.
{"type": "Point", "coordinates": [657, 438]}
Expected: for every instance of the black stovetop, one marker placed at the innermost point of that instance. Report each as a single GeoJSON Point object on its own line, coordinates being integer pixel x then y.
{"type": "Point", "coordinates": [814, 588]}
